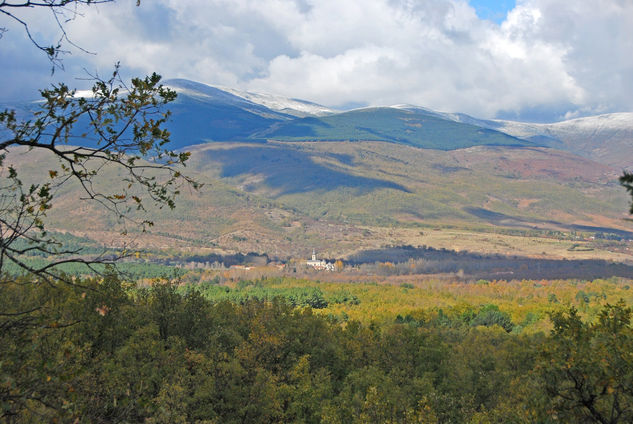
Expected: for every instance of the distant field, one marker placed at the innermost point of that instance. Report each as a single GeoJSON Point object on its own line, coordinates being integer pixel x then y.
{"type": "Point", "coordinates": [494, 241]}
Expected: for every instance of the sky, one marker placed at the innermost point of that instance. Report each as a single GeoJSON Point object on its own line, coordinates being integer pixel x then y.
{"type": "Point", "coordinates": [530, 60]}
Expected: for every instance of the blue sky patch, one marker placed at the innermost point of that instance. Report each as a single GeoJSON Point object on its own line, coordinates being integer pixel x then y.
{"type": "Point", "coordinates": [493, 10]}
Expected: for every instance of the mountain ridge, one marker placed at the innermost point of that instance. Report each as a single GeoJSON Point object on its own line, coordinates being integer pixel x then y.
{"type": "Point", "coordinates": [220, 115]}
{"type": "Point", "coordinates": [606, 138]}
{"type": "Point", "coordinates": [204, 113]}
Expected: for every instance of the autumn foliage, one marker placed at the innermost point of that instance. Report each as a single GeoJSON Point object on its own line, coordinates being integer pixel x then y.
{"type": "Point", "coordinates": [107, 351]}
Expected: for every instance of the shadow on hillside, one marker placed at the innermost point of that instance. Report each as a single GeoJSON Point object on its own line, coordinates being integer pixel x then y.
{"type": "Point", "coordinates": [427, 260]}
{"type": "Point", "coordinates": [512, 221]}
{"type": "Point", "coordinates": [290, 171]}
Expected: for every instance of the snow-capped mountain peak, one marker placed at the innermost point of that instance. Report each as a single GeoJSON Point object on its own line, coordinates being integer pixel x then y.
{"type": "Point", "coordinates": [277, 103]}
{"type": "Point", "coordinates": [282, 104]}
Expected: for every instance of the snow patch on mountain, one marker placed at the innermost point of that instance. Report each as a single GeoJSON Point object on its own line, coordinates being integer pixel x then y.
{"type": "Point", "coordinates": [295, 107]}
{"type": "Point", "coordinates": [591, 124]}
{"type": "Point", "coordinates": [275, 103]}
{"type": "Point", "coordinates": [85, 94]}
{"type": "Point", "coordinates": [604, 138]}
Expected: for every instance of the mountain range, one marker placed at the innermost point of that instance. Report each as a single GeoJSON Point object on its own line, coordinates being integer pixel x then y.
{"type": "Point", "coordinates": [204, 113]}
{"type": "Point", "coordinates": [283, 176]}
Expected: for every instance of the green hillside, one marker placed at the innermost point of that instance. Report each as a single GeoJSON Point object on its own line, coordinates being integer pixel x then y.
{"type": "Point", "coordinates": [414, 127]}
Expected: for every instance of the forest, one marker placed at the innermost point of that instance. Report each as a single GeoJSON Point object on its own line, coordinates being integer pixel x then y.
{"type": "Point", "coordinates": [104, 350]}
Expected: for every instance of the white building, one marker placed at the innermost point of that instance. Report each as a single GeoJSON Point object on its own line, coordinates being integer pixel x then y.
{"type": "Point", "coordinates": [319, 264]}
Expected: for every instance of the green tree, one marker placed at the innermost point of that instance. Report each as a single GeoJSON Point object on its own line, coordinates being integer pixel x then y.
{"type": "Point", "coordinates": [587, 368]}
{"type": "Point", "coordinates": [490, 315]}
{"type": "Point", "coordinates": [627, 181]}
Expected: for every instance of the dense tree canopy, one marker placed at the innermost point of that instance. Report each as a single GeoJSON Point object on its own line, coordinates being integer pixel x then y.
{"type": "Point", "coordinates": [105, 351]}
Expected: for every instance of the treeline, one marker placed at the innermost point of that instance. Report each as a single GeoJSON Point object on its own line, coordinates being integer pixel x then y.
{"type": "Point", "coordinates": [265, 290]}
{"type": "Point", "coordinates": [401, 260]}
{"type": "Point", "coordinates": [251, 258]}
{"type": "Point", "coordinates": [96, 351]}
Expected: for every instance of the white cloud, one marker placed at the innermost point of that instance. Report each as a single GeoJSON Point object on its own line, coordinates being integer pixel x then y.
{"type": "Point", "coordinates": [560, 57]}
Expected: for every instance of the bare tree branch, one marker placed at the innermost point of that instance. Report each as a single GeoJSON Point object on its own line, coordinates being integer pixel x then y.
{"type": "Point", "coordinates": [63, 11]}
